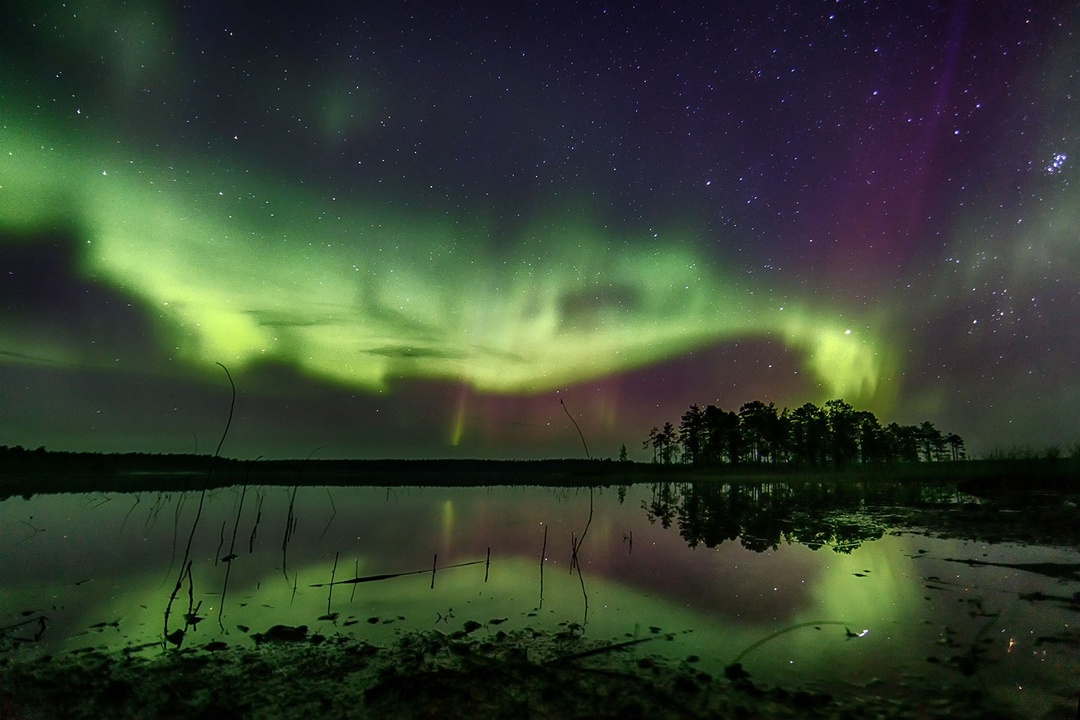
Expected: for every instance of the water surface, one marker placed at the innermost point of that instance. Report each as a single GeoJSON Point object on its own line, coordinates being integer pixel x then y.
{"type": "Point", "coordinates": [825, 592]}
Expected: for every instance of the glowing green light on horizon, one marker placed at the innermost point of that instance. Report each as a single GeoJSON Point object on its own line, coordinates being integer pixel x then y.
{"type": "Point", "coordinates": [242, 269]}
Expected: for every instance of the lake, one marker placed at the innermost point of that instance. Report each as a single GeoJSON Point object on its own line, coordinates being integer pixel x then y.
{"type": "Point", "coordinates": [803, 585]}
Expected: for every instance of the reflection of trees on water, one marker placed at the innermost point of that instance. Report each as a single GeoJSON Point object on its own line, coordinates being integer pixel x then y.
{"type": "Point", "coordinates": [762, 515]}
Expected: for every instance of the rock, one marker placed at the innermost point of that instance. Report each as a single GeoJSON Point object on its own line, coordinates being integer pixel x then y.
{"type": "Point", "coordinates": [282, 633]}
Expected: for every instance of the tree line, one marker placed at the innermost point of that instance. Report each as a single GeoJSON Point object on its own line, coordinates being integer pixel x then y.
{"type": "Point", "coordinates": [833, 436]}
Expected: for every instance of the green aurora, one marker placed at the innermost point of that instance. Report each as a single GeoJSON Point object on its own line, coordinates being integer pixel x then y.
{"type": "Point", "coordinates": [255, 269]}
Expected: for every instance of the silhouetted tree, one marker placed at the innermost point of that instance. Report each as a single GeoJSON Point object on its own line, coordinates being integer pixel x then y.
{"type": "Point", "coordinates": [870, 438]}
{"type": "Point", "coordinates": [712, 427]}
{"type": "Point", "coordinates": [902, 442]}
{"type": "Point", "coordinates": [776, 432]}
{"type": "Point", "coordinates": [932, 442]}
{"type": "Point", "coordinates": [723, 438]}
{"type": "Point", "coordinates": [668, 443]}
{"type": "Point", "coordinates": [842, 429]}
{"type": "Point", "coordinates": [835, 435]}
{"type": "Point", "coordinates": [956, 446]}
{"type": "Point", "coordinates": [761, 430]}
{"type": "Point", "coordinates": [808, 435]}
{"type": "Point", "coordinates": [652, 441]}
{"type": "Point", "coordinates": [692, 435]}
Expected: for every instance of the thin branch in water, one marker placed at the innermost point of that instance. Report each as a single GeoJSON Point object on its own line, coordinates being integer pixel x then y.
{"type": "Point", "coordinates": [599, 650]}
{"type": "Point", "coordinates": [180, 499]}
{"type": "Point", "coordinates": [155, 510]}
{"type": "Point", "coordinates": [333, 572]}
{"type": "Point", "coordinates": [332, 515]}
{"type": "Point", "coordinates": [290, 525]}
{"type": "Point", "coordinates": [104, 499]}
{"type": "Point", "coordinates": [356, 573]}
{"type": "Point", "coordinates": [589, 521]}
{"type": "Point", "coordinates": [585, 619]}
{"type": "Point", "coordinates": [576, 543]}
{"type": "Point", "coordinates": [573, 551]}
{"type": "Point", "coordinates": [168, 608]}
{"type": "Point", "coordinates": [198, 514]}
{"type": "Point", "coordinates": [576, 428]}
{"type": "Point", "coordinates": [232, 548]}
{"type": "Point", "coordinates": [34, 529]}
{"type": "Point", "coordinates": [232, 406]}
{"type": "Point", "coordinates": [221, 542]}
{"type": "Point", "coordinates": [434, 565]}
{"type": "Point", "coordinates": [138, 497]}
{"type": "Point", "coordinates": [255, 527]}
{"type": "Point", "coordinates": [543, 556]}
{"type": "Point", "coordinates": [784, 631]}
{"type": "Point", "coordinates": [291, 520]}
{"type": "Point", "coordinates": [487, 564]}
{"type": "Point", "coordinates": [388, 576]}
{"type": "Point", "coordinates": [191, 598]}
{"type": "Point", "coordinates": [42, 625]}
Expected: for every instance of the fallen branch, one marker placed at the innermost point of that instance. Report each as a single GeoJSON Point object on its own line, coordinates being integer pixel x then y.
{"type": "Point", "coordinates": [388, 576]}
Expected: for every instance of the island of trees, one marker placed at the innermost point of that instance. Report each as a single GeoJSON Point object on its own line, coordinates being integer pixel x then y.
{"type": "Point", "coordinates": [831, 437]}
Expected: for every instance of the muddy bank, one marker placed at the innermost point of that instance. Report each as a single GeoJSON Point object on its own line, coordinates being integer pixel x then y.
{"type": "Point", "coordinates": [1036, 520]}
{"type": "Point", "coordinates": [469, 673]}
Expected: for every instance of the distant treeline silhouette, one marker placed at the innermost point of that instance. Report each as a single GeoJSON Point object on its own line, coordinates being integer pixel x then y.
{"type": "Point", "coordinates": [834, 436]}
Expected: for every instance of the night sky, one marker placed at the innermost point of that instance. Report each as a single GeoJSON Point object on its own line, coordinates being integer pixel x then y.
{"type": "Point", "coordinates": [410, 229]}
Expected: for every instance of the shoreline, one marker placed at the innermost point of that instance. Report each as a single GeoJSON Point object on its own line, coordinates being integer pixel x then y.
{"type": "Point", "coordinates": [36, 472]}
{"type": "Point", "coordinates": [461, 674]}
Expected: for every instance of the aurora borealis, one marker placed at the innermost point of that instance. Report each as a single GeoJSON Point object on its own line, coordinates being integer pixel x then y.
{"type": "Point", "coordinates": [411, 229]}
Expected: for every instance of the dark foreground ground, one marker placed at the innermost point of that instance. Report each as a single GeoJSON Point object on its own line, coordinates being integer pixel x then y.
{"type": "Point", "coordinates": [475, 672]}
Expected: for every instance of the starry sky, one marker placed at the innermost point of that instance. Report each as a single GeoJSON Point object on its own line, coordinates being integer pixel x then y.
{"type": "Point", "coordinates": [411, 229]}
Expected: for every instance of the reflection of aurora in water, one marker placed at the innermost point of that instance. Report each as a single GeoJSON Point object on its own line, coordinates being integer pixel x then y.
{"type": "Point", "coordinates": [714, 602]}
{"type": "Point", "coordinates": [254, 272]}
